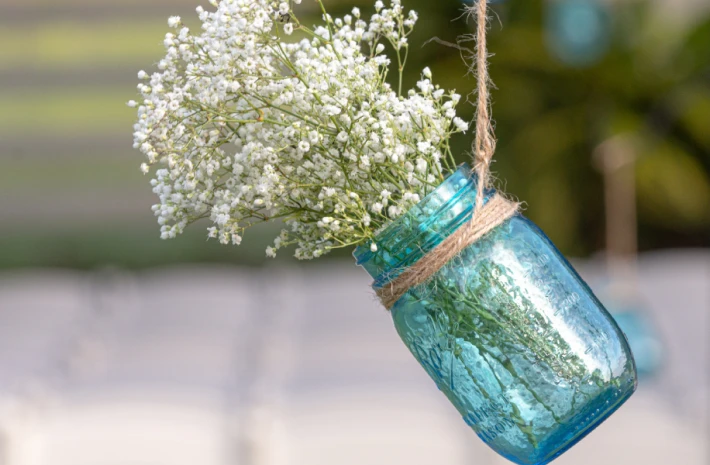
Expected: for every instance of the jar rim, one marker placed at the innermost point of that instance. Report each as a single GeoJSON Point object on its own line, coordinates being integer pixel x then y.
{"type": "Point", "coordinates": [405, 240]}
{"type": "Point", "coordinates": [363, 253]}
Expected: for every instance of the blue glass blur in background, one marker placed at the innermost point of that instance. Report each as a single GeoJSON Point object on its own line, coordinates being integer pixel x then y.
{"type": "Point", "coordinates": [507, 330]}
{"type": "Point", "coordinates": [578, 31]}
{"type": "Point", "coordinates": [643, 338]}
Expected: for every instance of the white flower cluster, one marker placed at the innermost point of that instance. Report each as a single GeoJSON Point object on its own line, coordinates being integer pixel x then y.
{"type": "Point", "coordinates": [245, 126]}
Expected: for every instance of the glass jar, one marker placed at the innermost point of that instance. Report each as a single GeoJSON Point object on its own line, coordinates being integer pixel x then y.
{"type": "Point", "coordinates": [508, 330]}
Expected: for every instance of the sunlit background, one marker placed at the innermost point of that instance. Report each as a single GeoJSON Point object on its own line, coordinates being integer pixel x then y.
{"type": "Point", "coordinates": [117, 348]}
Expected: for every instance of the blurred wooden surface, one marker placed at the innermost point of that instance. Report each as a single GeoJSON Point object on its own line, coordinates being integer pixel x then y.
{"type": "Point", "coordinates": [290, 366]}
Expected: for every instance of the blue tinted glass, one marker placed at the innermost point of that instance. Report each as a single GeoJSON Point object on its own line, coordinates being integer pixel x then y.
{"type": "Point", "coordinates": [507, 330]}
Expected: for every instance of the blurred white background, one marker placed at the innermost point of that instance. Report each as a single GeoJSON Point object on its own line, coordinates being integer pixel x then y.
{"type": "Point", "coordinates": [290, 366]}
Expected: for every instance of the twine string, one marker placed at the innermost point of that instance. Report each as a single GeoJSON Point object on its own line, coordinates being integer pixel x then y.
{"type": "Point", "coordinates": [484, 143]}
{"type": "Point", "coordinates": [486, 216]}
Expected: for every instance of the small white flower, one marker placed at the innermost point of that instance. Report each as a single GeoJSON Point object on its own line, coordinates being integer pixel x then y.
{"type": "Point", "coordinates": [332, 110]}
{"type": "Point", "coordinates": [304, 146]}
{"type": "Point", "coordinates": [427, 72]}
{"type": "Point", "coordinates": [288, 29]}
{"type": "Point", "coordinates": [424, 147]}
{"type": "Point", "coordinates": [145, 169]}
{"type": "Point", "coordinates": [174, 21]}
{"type": "Point", "coordinates": [425, 86]}
{"type": "Point", "coordinates": [460, 124]}
{"type": "Point", "coordinates": [270, 252]}
{"type": "Point", "coordinates": [410, 197]}
{"type": "Point", "coordinates": [373, 247]}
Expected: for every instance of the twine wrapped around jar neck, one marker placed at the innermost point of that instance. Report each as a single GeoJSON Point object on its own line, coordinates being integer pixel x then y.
{"type": "Point", "coordinates": [486, 215]}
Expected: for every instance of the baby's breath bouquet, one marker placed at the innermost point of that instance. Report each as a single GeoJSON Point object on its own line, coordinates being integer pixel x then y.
{"type": "Point", "coordinates": [260, 117]}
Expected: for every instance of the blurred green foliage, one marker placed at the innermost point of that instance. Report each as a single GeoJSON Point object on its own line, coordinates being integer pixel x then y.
{"type": "Point", "coordinates": [57, 44]}
{"type": "Point", "coordinates": [74, 196]}
{"type": "Point", "coordinates": [654, 83]}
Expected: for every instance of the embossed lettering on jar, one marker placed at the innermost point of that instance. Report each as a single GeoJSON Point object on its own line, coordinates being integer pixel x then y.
{"type": "Point", "coordinates": [507, 330]}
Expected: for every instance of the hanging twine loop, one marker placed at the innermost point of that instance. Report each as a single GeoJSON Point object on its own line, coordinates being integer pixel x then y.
{"type": "Point", "coordinates": [484, 143]}
{"type": "Point", "coordinates": [486, 215]}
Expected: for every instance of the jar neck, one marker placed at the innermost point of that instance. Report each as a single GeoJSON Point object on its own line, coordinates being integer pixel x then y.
{"type": "Point", "coordinates": [411, 236]}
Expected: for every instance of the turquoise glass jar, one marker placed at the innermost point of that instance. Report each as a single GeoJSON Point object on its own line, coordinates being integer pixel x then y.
{"type": "Point", "coordinates": [507, 330]}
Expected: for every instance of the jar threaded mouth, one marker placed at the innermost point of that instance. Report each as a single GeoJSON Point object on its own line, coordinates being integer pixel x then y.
{"type": "Point", "coordinates": [411, 236]}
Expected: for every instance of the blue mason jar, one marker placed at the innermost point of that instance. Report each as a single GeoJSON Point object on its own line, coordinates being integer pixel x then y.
{"type": "Point", "coordinates": [507, 330]}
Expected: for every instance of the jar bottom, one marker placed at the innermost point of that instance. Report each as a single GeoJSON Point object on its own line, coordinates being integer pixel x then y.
{"type": "Point", "coordinates": [579, 426]}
